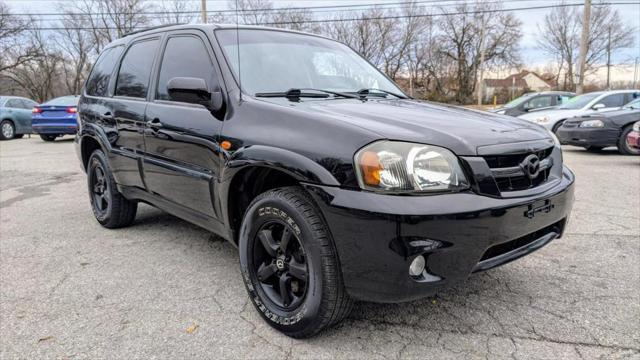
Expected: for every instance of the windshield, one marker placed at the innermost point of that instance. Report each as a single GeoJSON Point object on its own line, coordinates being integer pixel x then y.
{"type": "Point", "coordinates": [517, 101]}
{"type": "Point", "coordinates": [634, 105]}
{"type": "Point", "coordinates": [63, 101]}
{"type": "Point", "coordinates": [578, 102]}
{"type": "Point", "coordinates": [276, 61]}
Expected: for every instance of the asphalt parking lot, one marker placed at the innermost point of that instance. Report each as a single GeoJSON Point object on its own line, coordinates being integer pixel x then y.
{"type": "Point", "coordinates": [167, 289]}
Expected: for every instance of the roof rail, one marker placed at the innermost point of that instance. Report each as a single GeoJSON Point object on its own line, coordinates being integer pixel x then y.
{"type": "Point", "coordinates": [150, 28]}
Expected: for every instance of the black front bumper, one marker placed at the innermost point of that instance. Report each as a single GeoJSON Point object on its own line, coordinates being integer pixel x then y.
{"type": "Point", "coordinates": [585, 137]}
{"type": "Point", "coordinates": [377, 236]}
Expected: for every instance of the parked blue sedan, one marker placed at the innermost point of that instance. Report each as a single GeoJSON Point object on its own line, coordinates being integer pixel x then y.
{"type": "Point", "coordinates": [15, 116]}
{"type": "Point", "coordinates": [55, 118]}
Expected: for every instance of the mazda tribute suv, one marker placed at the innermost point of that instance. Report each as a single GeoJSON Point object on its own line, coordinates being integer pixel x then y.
{"type": "Point", "coordinates": [332, 183]}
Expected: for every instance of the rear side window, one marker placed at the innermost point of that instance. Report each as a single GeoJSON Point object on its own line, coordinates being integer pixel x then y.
{"type": "Point", "coordinates": [615, 100]}
{"type": "Point", "coordinates": [98, 82]}
{"type": "Point", "coordinates": [173, 62]}
{"type": "Point", "coordinates": [135, 70]}
{"type": "Point", "coordinates": [13, 103]}
{"type": "Point", "coordinates": [540, 101]}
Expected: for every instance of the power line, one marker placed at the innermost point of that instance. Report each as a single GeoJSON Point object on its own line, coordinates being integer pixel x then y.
{"type": "Point", "coordinates": [377, 17]}
{"type": "Point", "coordinates": [273, 9]}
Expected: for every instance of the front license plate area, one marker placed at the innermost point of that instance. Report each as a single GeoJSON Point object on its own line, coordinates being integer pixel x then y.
{"type": "Point", "coordinates": [538, 207]}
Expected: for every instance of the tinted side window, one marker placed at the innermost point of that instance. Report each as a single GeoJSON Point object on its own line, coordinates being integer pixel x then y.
{"type": "Point", "coordinates": [563, 99]}
{"type": "Point", "coordinates": [13, 103]}
{"type": "Point", "coordinates": [135, 70]}
{"type": "Point", "coordinates": [25, 104]}
{"type": "Point", "coordinates": [173, 62]}
{"type": "Point", "coordinates": [613, 100]}
{"type": "Point", "coordinates": [98, 82]}
{"type": "Point", "coordinates": [540, 101]}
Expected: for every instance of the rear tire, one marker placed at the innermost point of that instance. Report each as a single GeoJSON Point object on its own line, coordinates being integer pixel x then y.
{"type": "Point", "coordinates": [311, 299]}
{"type": "Point", "coordinates": [7, 130]}
{"type": "Point", "coordinates": [623, 147]}
{"type": "Point", "coordinates": [110, 208]}
{"type": "Point", "coordinates": [48, 137]}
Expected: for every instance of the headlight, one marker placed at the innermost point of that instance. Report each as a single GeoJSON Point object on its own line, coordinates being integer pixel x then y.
{"type": "Point", "coordinates": [542, 119]}
{"type": "Point", "coordinates": [636, 126]}
{"type": "Point", "coordinates": [501, 112]}
{"type": "Point", "coordinates": [408, 167]}
{"type": "Point", "coordinates": [592, 124]}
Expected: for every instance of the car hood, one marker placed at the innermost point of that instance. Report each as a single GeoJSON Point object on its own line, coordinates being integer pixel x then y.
{"type": "Point", "coordinates": [459, 129]}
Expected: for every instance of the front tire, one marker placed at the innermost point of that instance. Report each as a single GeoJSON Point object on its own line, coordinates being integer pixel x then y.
{"type": "Point", "coordinates": [110, 208]}
{"type": "Point", "coordinates": [623, 146]}
{"type": "Point", "coordinates": [289, 264]}
{"type": "Point", "coordinates": [48, 137]}
{"type": "Point", "coordinates": [7, 130]}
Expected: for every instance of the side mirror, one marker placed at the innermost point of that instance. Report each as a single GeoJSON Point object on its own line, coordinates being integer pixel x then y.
{"type": "Point", "coordinates": [194, 91]}
{"type": "Point", "coordinates": [598, 106]}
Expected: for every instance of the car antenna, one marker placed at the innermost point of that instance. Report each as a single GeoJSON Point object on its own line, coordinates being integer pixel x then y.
{"type": "Point", "coordinates": [238, 46]}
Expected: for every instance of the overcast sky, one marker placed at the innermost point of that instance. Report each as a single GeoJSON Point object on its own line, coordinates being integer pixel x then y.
{"type": "Point", "coordinates": [530, 19]}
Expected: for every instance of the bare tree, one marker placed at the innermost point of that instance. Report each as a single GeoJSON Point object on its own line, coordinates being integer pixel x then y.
{"type": "Point", "coordinates": [461, 42]}
{"type": "Point", "coordinates": [37, 77]}
{"type": "Point", "coordinates": [177, 11]}
{"type": "Point", "coordinates": [560, 38]}
{"type": "Point", "coordinates": [14, 50]}
{"type": "Point", "coordinates": [111, 19]}
{"type": "Point", "coordinates": [75, 45]}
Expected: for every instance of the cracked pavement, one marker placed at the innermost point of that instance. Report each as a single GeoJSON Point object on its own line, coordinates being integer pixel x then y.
{"type": "Point", "coordinates": [167, 289]}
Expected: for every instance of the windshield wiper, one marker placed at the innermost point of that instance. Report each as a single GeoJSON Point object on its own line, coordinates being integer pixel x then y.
{"type": "Point", "coordinates": [307, 93]}
{"type": "Point", "coordinates": [372, 91]}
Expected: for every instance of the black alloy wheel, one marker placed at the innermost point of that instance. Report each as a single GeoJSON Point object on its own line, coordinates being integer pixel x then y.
{"type": "Point", "coordinates": [289, 263]}
{"type": "Point", "coordinates": [99, 187]}
{"type": "Point", "coordinates": [280, 265]}
{"type": "Point", "coordinates": [110, 207]}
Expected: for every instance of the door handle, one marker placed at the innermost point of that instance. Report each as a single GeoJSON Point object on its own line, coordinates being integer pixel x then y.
{"type": "Point", "coordinates": [155, 123]}
{"type": "Point", "coordinates": [107, 116]}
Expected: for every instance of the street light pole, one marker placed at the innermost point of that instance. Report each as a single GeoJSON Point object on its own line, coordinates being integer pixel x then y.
{"type": "Point", "coordinates": [203, 11]}
{"type": "Point", "coordinates": [583, 46]}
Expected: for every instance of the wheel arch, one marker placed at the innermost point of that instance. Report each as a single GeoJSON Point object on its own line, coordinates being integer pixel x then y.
{"type": "Point", "coordinates": [257, 169]}
{"type": "Point", "coordinates": [90, 140]}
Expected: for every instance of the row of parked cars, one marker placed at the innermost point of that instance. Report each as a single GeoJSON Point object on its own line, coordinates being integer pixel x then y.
{"type": "Point", "coordinates": [594, 120]}
{"type": "Point", "coordinates": [52, 119]}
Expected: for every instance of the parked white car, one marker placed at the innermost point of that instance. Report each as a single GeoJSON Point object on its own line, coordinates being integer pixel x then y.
{"type": "Point", "coordinates": [581, 105]}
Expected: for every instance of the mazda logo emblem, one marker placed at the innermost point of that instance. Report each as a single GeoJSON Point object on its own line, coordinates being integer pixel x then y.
{"type": "Point", "coordinates": [280, 264]}
{"type": "Point", "coordinates": [531, 166]}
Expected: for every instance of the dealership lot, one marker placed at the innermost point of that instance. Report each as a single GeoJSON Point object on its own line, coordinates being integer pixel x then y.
{"type": "Point", "coordinates": [164, 288]}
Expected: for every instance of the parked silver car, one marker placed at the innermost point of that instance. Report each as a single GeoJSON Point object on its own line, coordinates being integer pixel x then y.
{"type": "Point", "coordinates": [581, 105]}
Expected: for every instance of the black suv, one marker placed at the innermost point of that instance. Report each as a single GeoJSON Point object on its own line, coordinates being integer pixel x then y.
{"type": "Point", "coordinates": [333, 184]}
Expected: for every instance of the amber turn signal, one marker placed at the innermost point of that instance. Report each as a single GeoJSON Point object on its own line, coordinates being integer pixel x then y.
{"type": "Point", "coordinates": [225, 145]}
{"type": "Point", "coordinates": [371, 168]}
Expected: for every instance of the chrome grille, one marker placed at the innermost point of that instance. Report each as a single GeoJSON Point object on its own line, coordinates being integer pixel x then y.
{"type": "Point", "coordinates": [513, 172]}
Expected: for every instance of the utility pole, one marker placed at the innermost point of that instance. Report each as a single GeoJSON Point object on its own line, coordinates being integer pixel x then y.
{"type": "Point", "coordinates": [481, 66]}
{"type": "Point", "coordinates": [583, 46]}
{"type": "Point", "coordinates": [609, 58]}
{"type": "Point", "coordinates": [203, 10]}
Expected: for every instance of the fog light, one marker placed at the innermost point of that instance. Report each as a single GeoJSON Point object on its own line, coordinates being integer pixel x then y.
{"type": "Point", "coordinates": [417, 266]}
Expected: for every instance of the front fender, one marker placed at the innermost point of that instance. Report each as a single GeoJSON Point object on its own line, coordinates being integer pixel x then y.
{"type": "Point", "coordinates": [297, 166]}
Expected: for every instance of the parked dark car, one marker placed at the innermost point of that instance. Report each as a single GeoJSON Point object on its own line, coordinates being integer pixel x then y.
{"type": "Point", "coordinates": [597, 131]}
{"type": "Point", "coordinates": [15, 116]}
{"type": "Point", "coordinates": [56, 117]}
{"type": "Point", "coordinates": [333, 184]}
{"type": "Point", "coordinates": [533, 101]}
